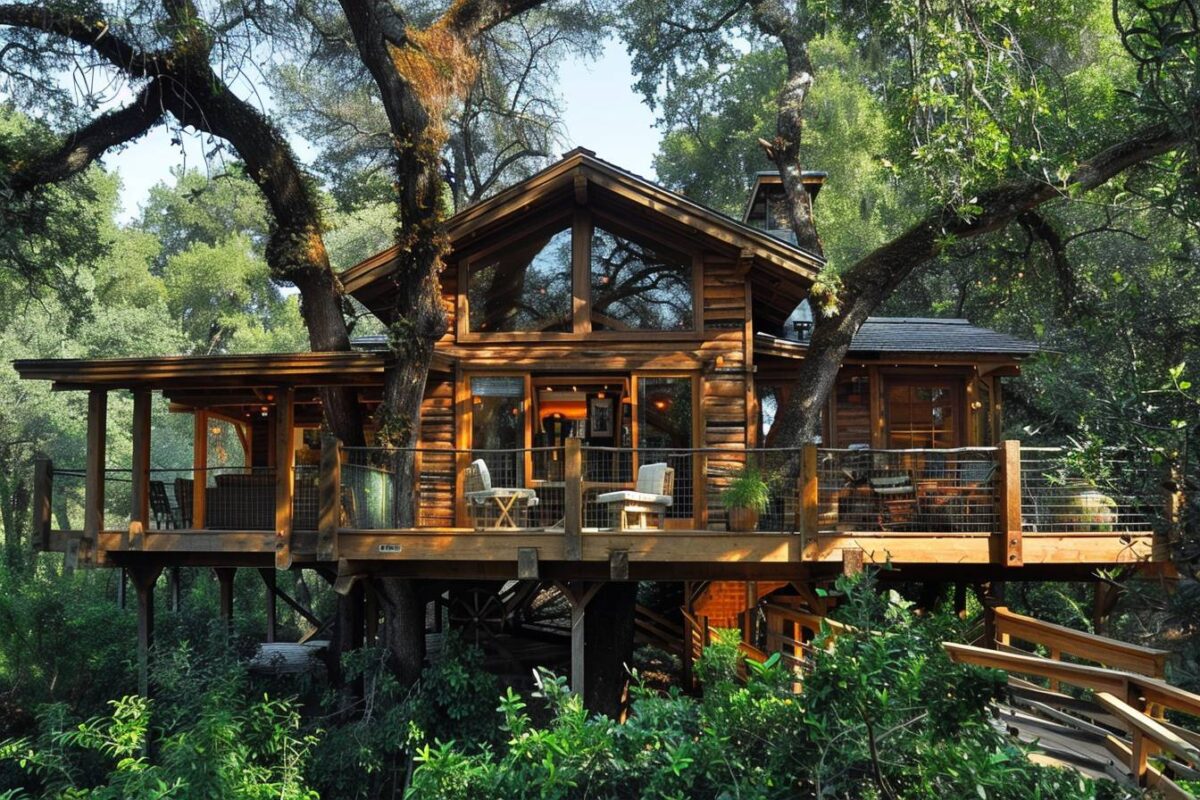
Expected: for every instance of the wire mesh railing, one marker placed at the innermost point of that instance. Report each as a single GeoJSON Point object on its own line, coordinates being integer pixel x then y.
{"type": "Point", "coordinates": [1074, 491]}
{"type": "Point", "coordinates": [936, 491]}
{"type": "Point", "coordinates": [68, 498]}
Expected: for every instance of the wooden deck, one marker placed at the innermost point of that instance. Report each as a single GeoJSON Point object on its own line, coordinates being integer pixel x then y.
{"type": "Point", "coordinates": [627, 555]}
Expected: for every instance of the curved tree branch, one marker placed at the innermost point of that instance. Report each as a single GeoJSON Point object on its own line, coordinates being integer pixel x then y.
{"type": "Point", "coordinates": [85, 145]}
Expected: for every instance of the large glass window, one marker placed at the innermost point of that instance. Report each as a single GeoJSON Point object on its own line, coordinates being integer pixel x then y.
{"type": "Point", "coordinates": [526, 288]}
{"type": "Point", "coordinates": [665, 433]}
{"type": "Point", "coordinates": [637, 286]}
{"type": "Point", "coordinates": [922, 415]}
{"type": "Point", "coordinates": [498, 424]}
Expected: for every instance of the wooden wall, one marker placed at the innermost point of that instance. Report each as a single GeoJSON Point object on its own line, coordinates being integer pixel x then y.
{"type": "Point", "coordinates": [437, 471]}
{"type": "Point", "coordinates": [726, 388]}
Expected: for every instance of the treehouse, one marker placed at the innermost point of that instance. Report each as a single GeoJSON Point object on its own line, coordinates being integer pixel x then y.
{"type": "Point", "coordinates": [615, 357]}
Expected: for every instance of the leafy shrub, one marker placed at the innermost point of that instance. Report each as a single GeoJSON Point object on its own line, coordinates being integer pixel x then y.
{"type": "Point", "coordinates": [231, 744]}
{"type": "Point", "coordinates": [886, 714]}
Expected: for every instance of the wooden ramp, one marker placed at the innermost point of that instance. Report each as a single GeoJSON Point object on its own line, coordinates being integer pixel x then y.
{"type": "Point", "coordinates": [1093, 703]}
{"type": "Point", "coordinates": [1085, 702]}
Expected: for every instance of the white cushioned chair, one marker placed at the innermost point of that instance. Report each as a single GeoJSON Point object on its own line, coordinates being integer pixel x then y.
{"type": "Point", "coordinates": [652, 497]}
{"type": "Point", "coordinates": [495, 507]}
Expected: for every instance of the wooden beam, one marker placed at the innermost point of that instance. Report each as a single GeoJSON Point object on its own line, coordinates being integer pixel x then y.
{"type": "Point", "coordinates": [93, 503]}
{"type": "Point", "coordinates": [1008, 547]}
{"type": "Point", "coordinates": [43, 491]}
{"type": "Point", "coordinates": [581, 189]}
{"type": "Point", "coordinates": [330, 497]}
{"type": "Point", "coordinates": [140, 493]}
{"type": "Point", "coordinates": [573, 502]}
{"type": "Point", "coordinates": [199, 468]}
{"type": "Point", "coordinates": [285, 475]}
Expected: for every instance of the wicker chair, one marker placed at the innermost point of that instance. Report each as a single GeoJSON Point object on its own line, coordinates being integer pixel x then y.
{"type": "Point", "coordinates": [493, 507]}
{"type": "Point", "coordinates": [651, 498]}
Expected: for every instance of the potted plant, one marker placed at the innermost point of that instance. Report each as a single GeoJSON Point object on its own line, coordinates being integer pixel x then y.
{"type": "Point", "coordinates": [745, 499]}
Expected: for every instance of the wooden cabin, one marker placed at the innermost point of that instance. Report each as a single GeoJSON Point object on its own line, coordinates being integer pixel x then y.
{"type": "Point", "coordinates": [599, 324]}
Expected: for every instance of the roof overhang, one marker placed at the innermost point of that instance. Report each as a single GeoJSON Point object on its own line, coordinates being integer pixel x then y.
{"type": "Point", "coordinates": [581, 178]}
{"type": "Point", "coordinates": [241, 372]}
{"type": "Point", "coordinates": [812, 181]}
{"type": "Point", "coordinates": [768, 345]}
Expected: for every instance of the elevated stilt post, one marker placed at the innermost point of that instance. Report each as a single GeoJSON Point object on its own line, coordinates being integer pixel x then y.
{"type": "Point", "coordinates": [268, 577]}
{"type": "Point", "coordinates": [174, 590]}
{"type": "Point", "coordinates": [144, 579]}
{"type": "Point", "coordinates": [225, 576]}
{"type": "Point", "coordinates": [578, 594]}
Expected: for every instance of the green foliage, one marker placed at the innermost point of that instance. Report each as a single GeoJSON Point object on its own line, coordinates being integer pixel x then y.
{"type": "Point", "coordinates": [885, 713]}
{"type": "Point", "coordinates": [232, 744]}
{"type": "Point", "coordinates": [747, 490]}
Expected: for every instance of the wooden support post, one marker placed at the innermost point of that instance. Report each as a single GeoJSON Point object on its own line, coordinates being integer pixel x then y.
{"type": "Point", "coordinates": [618, 565]}
{"type": "Point", "coordinates": [144, 579]}
{"type": "Point", "coordinates": [285, 475]}
{"type": "Point", "coordinates": [527, 564]}
{"type": "Point", "coordinates": [93, 502]}
{"type": "Point", "coordinates": [225, 576]}
{"type": "Point", "coordinates": [960, 600]}
{"type": "Point", "coordinates": [43, 491]}
{"type": "Point", "coordinates": [331, 499]}
{"type": "Point", "coordinates": [121, 582]}
{"type": "Point", "coordinates": [573, 503]}
{"type": "Point", "coordinates": [174, 590]}
{"type": "Point", "coordinates": [140, 488]}
{"type": "Point", "coordinates": [268, 577]}
{"type": "Point", "coordinates": [578, 594]}
{"type": "Point", "coordinates": [807, 510]}
{"type": "Point", "coordinates": [1007, 544]}
{"type": "Point", "coordinates": [199, 467]}
{"type": "Point", "coordinates": [992, 596]}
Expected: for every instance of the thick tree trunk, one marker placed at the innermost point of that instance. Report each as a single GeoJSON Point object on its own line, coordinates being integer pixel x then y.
{"type": "Point", "coordinates": [608, 647]}
{"type": "Point", "coordinates": [403, 631]}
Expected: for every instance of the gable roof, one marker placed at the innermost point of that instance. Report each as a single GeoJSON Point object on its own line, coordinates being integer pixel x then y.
{"type": "Point", "coordinates": [576, 178]}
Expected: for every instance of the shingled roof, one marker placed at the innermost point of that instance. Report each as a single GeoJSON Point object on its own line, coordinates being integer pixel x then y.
{"type": "Point", "coordinates": [925, 335]}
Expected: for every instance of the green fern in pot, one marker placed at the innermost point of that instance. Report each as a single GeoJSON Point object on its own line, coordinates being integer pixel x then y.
{"type": "Point", "coordinates": [746, 498]}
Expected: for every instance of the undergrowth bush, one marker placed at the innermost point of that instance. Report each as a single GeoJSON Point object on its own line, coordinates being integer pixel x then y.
{"type": "Point", "coordinates": [885, 714]}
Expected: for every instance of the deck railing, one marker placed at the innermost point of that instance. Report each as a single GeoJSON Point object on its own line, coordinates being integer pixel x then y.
{"type": "Point", "coordinates": [1005, 492]}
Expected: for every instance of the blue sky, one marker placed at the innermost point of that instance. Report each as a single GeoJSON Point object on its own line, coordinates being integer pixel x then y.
{"type": "Point", "coordinates": [602, 114]}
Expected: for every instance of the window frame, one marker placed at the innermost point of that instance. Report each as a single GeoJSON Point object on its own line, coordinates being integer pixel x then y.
{"type": "Point", "coordinates": [582, 221]}
{"type": "Point", "coordinates": [956, 385]}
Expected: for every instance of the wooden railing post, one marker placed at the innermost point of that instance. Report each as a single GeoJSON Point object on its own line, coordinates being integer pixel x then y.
{"type": "Point", "coordinates": [1008, 549]}
{"type": "Point", "coordinates": [43, 491]}
{"type": "Point", "coordinates": [93, 503]}
{"type": "Point", "coordinates": [199, 467]}
{"type": "Point", "coordinates": [285, 475]}
{"type": "Point", "coordinates": [140, 494]}
{"type": "Point", "coordinates": [809, 499]}
{"type": "Point", "coordinates": [331, 499]}
{"type": "Point", "coordinates": [573, 502]}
